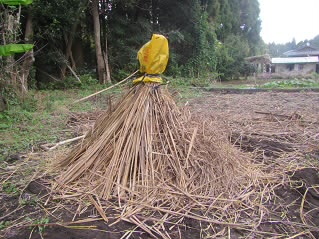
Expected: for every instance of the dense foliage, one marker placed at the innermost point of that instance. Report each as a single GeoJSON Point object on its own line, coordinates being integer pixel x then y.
{"type": "Point", "coordinates": [208, 38]}
{"type": "Point", "coordinates": [277, 50]}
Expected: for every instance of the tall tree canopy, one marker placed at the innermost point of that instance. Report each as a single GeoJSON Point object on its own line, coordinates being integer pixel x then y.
{"type": "Point", "coordinates": [206, 37]}
{"type": "Point", "coordinates": [277, 50]}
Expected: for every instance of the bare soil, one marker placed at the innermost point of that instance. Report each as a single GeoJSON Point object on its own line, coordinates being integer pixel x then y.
{"type": "Point", "coordinates": [279, 127]}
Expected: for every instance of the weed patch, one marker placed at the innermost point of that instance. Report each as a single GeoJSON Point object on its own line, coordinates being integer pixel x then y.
{"type": "Point", "coordinates": [4, 224]}
{"type": "Point", "coordinates": [10, 188]}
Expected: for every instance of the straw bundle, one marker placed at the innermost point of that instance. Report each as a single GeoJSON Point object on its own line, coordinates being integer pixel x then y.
{"type": "Point", "coordinates": [157, 161]}
{"type": "Point", "coordinates": [147, 145]}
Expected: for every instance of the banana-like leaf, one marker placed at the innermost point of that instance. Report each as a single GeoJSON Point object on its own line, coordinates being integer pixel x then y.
{"type": "Point", "coordinates": [11, 49]}
{"type": "Point", "coordinates": [16, 2]}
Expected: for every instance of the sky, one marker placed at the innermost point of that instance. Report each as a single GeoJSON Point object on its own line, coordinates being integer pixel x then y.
{"type": "Point", "coordinates": [283, 20]}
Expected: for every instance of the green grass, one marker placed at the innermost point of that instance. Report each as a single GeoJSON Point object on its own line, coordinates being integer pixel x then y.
{"type": "Point", "coordinates": [185, 88]}
{"type": "Point", "coordinates": [21, 130]}
{"type": "Point", "coordinates": [10, 188]}
{"type": "Point", "coordinates": [41, 117]}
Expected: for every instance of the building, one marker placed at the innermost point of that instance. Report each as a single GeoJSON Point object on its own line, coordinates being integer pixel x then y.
{"type": "Point", "coordinates": [260, 63]}
{"type": "Point", "coordinates": [302, 61]}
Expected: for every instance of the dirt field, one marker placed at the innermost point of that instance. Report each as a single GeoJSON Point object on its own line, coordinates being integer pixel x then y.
{"type": "Point", "coordinates": [281, 129]}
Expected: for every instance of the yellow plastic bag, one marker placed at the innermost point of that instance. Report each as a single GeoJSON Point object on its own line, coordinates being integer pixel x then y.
{"type": "Point", "coordinates": [153, 58]}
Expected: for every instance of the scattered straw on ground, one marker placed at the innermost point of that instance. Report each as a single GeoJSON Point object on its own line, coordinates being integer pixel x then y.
{"type": "Point", "coordinates": [154, 159]}
{"type": "Point", "coordinates": [196, 174]}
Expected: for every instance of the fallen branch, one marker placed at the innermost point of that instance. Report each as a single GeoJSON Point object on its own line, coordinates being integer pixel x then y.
{"type": "Point", "coordinates": [73, 72]}
{"type": "Point", "coordinates": [49, 147]}
{"type": "Point", "coordinates": [293, 116]}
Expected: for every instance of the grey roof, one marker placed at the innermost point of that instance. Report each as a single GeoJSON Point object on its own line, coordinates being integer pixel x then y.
{"type": "Point", "coordinates": [292, 60]}
{"type": "Point", "coordinates": [306, 50]}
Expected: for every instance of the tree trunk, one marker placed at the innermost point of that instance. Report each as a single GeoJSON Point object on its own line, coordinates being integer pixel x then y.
{"type": "Point", "coordinates": [3, 104]}
{"type": "Point", "coordinates": [104, 6]}
{"type": "Point", "coordinates": [11, 28]}
{"type": "Point", "coordinates": [28, 57]}
{"type": "Point", "coordinates": [68, 51]}
{"type": "Point", "coordinates": [106, 60]}
{"type": "Point", "coordinates": [98, 48]}
{"type": "Point", "coordinates": [78, 52]}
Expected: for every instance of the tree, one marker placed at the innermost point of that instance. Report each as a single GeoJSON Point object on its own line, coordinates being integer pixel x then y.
{"type": "Point", "coordinates": [59, 28]}
{"type": "Point", "coordinates": [237, 28]}
{"type": "Point", "coordinates": [101, 63]}
{"type": "Point", "coordinates": [187, 33]}
{"type": "Point", "coordinates": [129, 27]}
{"type": "Point", "coordinates": [29, 56]}
{"type": "Point", "coordinates": [315, 41]}
{"type": "Point", "coordinates": [14, 74]}
{"type": "Point", "coordinates": [250, 24]}
{"type": "Point", "coordinates": [277, 50]}
{"type": "Point", "coordinates": [106, 34]}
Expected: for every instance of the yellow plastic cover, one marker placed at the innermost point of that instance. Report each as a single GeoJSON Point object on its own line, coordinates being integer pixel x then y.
{"type": "Point", "coordinates": [153, 58]}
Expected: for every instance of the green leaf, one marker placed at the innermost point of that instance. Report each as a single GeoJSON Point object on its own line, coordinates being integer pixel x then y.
{"type": "Point", "coordinates": [10, 49]}
{"type": "Point", "coordinates": [16, 2]}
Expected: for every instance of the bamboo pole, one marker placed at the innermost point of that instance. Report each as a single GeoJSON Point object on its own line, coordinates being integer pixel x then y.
{"type": "Point", "coordinates": [96, 93]}
{"type": "Point", "coordinates": [47, 148]}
